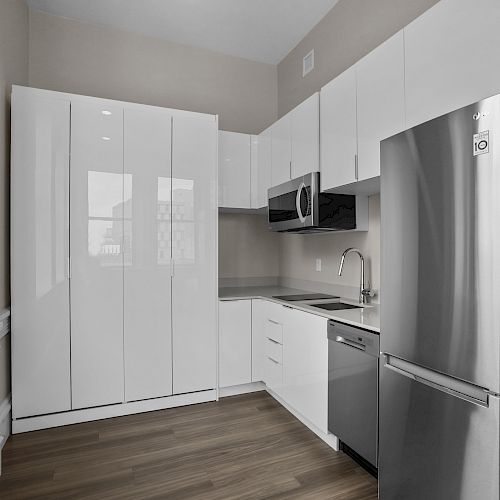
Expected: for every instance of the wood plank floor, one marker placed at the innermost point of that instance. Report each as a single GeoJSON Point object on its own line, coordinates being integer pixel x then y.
{"type": "Point", "coordinates": [243, 447]}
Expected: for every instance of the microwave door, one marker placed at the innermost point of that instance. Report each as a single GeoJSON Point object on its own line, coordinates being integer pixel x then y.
{"type": "Point", "coordinates": [283, 211]}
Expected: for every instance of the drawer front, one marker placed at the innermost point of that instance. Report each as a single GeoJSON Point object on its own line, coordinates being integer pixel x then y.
{"type": "Point", "coordinates": [274, 350]}
{"type": "Point", "coordinates": [274, 374]}
{"type": "Point", "coordinates": [274, 330]}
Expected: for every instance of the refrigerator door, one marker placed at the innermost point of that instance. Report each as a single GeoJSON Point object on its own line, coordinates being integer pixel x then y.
{"type": "Point", "coordinates": [434, 442]}
{"type": "Point", "coordinates": [440, 208]}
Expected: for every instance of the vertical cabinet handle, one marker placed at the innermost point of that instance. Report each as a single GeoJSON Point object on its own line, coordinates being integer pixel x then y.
{"type": "Point", "coordinates": [356, 166]}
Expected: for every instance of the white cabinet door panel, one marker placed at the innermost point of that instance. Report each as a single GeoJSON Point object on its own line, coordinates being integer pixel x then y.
{"type": "Point", "coordinates": [39, 255]}
{"type": "Point", "coordinates": [264, 167]}
{"type": "Point", "coordinates": [305, 137]}
{"type": "Point", "coordinates": [281, 151]}
{"type": "Point", "coordinates": [338, 131]}
{"type": "Point", "coordinates": [194, 240]}
{"type": "Point", "coordinates": [451, 54]}
{"type": "Point", "coordinates": [380, 102]}
{"type": "Point", "coordinates": [234, 170]}
{"type": "Point", "coordinates": [96, 245]}
{"type": "Point", "coordinates": [259, 320]}
{"type": "Point", "coordinates": [147, 254]}
{"type": "Point", "coordinates": [254, 171]}
{"type": "Point", "coordinates": [235, 342]}
{"type": "Point", "coordinates": [305, 366]}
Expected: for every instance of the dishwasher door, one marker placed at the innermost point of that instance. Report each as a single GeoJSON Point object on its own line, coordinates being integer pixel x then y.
{"type": "Point", "coordinates": [353, 388]}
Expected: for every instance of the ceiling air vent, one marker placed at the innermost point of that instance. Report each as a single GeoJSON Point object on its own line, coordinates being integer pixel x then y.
{"type": "Point", "coordinates": [308, 63]}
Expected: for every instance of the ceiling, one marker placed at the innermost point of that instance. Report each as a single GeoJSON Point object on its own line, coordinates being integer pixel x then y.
{"type": "Point", "coordinates": [260, 30]}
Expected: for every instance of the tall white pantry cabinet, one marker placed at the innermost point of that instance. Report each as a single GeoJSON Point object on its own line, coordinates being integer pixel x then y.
{"type": "Point", "coordinates": [113, 243]}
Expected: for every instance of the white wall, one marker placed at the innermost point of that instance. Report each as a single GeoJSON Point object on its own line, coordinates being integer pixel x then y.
{"type": "Point", "coordinates": [83, 58]}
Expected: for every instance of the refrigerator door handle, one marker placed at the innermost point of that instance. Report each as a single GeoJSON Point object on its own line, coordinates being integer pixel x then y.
{"type": "Point", "coordinates": [444, 383]}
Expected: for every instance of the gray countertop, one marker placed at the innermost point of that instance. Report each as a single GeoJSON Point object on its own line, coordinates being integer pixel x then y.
{"type": "Point", "coordinates": [368, 317]}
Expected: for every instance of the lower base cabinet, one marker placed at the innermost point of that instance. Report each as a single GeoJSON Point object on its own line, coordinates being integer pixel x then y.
{"type": "Point", "coordinates": [235, 342]}
{"type": "Point", "coordinates": [287, 349]}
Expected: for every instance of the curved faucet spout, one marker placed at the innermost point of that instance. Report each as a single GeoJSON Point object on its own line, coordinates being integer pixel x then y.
{"type": "Point", "coordinates": [363, 291]}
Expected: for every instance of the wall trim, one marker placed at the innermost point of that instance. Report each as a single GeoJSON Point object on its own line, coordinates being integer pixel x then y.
{"type": "Point", "coordinates": [4, 322]}
{"type": "Point", "coordinates": [100, 413]}
{"type": "Point", "coordinates": [235, 390]}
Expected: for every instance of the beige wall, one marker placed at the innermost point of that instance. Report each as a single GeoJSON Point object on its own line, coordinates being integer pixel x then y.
{"type": "Point", "coordinates": [298, 253]}
{"type": "Point", "coordinates": [347, 33]}
{"type": "Point", "coordinates": [13, 69]}
{"type": "Point", "coordinates": [247, 249]}
{"type": "Point", "coordinates": [77, 57]}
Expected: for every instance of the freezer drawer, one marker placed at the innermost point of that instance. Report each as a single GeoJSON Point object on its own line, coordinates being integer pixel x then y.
{"type": "Point", "coordinates": [434, 438]}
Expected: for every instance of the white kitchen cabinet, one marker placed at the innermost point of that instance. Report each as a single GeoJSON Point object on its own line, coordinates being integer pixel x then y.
{"type": "Point", "coordinates": [264, 161]}
{"type": "Point", "coordinates": [305, 137]}
{"type": "Point", "coordinates": [234, 170]}
{"type": "Point", "coordinates": [281, 151]}
{"type": "Point", "coordinates": [451, 54]}
{"type": "Point", "coordinates": [96, 246]}
{"type": "Point", "coordinates": [380, 102]}
{"type": "Point", "coordinates": [305, 366]}
{"type": "Point", "coordinates": [194, 252]}
{"type": "Point", "coordinates": [338, 133]}
{"type": "Point", "coordinates": [39, 255]}
{"type": "Point", "coordinates": [254, 171]}
{"type": "Point", "coordinates": [147, 253]}
{"type": "Point", "coordinates": [259, 319]}
{"type": "Point", "coordinates": [235, 342]}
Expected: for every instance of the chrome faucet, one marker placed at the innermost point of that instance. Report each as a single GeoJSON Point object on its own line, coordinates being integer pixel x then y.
{"type": "Point", "coordinates": [364, 292]}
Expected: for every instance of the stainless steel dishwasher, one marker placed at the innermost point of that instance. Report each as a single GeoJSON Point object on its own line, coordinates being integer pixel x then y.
{"type": "Point", "coordinates": [353, 389]}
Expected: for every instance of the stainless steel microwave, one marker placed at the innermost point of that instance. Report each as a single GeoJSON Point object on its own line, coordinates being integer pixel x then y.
{"type": "Point", "coordinates": [298, 206]}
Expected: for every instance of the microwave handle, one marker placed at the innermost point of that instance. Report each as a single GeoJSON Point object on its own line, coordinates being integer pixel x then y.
{"type": "Point", "coordinates": [297, 203]}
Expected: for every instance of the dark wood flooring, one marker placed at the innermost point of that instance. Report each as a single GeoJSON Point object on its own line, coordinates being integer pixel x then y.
{"type": "Point", "coordinates": [243, 447]}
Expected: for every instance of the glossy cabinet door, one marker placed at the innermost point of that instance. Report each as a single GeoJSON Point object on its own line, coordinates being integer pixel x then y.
{"type": "Point", "coordinates": [254, 171]}
{"type": "Point", "coordinates": [305, 366]}
{"type": "Point", "coordinates": [281, 151]}
{"type": "Point", "coordinates": [305, 137]}
{"type": "Point", "coordinates": [234, 170]}
{"type": "Point", "coordinates": [259, 318]}
{"type": "Point", "coordinates": [194, 252]}
{"type": "Point", "coordinates": [451, 54]}
{"type": "Point", "coordinates": [264, 167]}
{"type": "Point", "coordinates": [39, 254]}
{"type": "Point", "coordinates": [380, 102]}
{"type": "Point", "coordinates": [338, 135]}
{"type": "Point", "coordinates": [147, 253]}
{"type": "Point", "coordinates": [97, 193]}
{"type": "Point", "coordinates": [235, 342]}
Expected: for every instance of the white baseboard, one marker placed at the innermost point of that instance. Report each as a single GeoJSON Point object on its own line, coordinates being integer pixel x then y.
{"type": "Point", "coordinates": [118, 410]}
{"type": "Point", "coordinates": [241, 389]}
{"type": "Point", "coordinates": [330, 439]}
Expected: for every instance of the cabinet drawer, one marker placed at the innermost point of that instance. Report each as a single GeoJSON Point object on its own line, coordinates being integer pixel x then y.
{"type": "Point", "coordinates": [274, 350]}
{"type": "Point", "coordinates": [274, 373]}
{"type": "Point", "coordinates": [274, 330]}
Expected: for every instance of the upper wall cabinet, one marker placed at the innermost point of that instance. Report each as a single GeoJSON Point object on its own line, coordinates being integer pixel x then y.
{"type": "Point", "coordinates": [234, 170]}
{"type": "Point", "coordinates": [359, 108]}
{"type": "Point", "coordinates": [380, 102]}
{"type": "Point", "coordinates": [451, 55]}
{"type": "Point", "coordinates": [338, 131]}
{"type": "Point", "coordinates": [295, 142]}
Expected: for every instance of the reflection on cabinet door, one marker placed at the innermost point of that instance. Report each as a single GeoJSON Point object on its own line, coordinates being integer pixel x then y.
{"type": "Point", "coordinates": [96, 245]}
{"type": "Point", "coordinates": [147, 254]}
{"type": "Point", "coordinates": [338, 131]}
{"type": "Point", "coordinates": [194, 250]}
{"type": "Point", "coordinates": [39, 253]}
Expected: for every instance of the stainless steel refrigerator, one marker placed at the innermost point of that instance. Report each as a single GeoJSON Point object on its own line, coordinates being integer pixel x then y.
{"type": "Point", "coordinates": [440, 308]}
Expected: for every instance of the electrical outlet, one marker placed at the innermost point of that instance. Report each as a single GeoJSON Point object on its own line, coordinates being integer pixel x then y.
{"type": "Point", "coordinates": [318, 265]}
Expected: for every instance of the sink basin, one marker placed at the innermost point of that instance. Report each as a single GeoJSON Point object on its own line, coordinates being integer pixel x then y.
{"type": "Point", "coordinates": [335, 306]}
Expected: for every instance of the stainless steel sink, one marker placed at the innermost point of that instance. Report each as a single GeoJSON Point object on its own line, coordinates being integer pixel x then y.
{"type": "Point", "coordinates": [335, 306]}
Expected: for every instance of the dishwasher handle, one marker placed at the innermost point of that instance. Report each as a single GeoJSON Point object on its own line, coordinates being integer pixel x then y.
{"type": "Point", "coordinates": [350, 343]}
